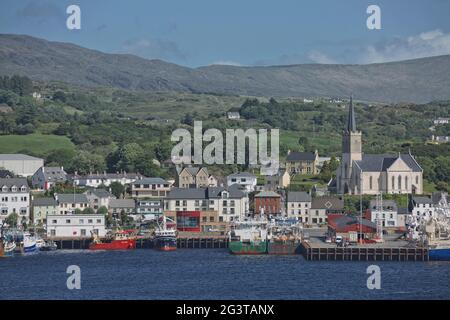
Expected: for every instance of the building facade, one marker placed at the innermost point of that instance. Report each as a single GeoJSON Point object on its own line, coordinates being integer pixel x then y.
{"type": "Point", "coordinates": [302, 162]}
{"type": "Point", "coordinates": [155, 188]}
{"type": "Point", "coordinates": [41, 208]}
{"type": "Point", "coordinates": [268, 203]}
{"type": "Point", "coordinates": [20, 164]}
{"type": "Point", "coordinates": [14, 198]}
{"type": "Point", "coordinates": [75, 225]}
{"type": "Point", "coordinates": [47, 177]}
{"type": "Point", "coordinates": [298, 205]}
{"type": "Point", "coordinates": [105, 179]}
{"type": "Point", "coordinates": [246, 180]}
{"type": "Point", "coordinates": [69, 203]}
{"type": "Point", "coordinates": [361, 173]}
{"type": "Point", "coordinates": [386, 212]}
{"type": "Point", "coordinates": [195, 177]}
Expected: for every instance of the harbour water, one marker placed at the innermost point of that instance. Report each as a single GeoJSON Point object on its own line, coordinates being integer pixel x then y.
{"type": "Point", "coordinates": [213, 274]}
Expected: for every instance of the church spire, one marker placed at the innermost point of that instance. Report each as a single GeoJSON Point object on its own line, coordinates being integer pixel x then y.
{"type": "Point", "coordinates": [351, 123]}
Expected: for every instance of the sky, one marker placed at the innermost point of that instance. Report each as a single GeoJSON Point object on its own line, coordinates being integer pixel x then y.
{"type": "Point", "coordinates": [241, 32]}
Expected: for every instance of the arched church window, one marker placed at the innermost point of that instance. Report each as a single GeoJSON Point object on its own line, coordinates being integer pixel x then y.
{"type": "Point", "coordinates": [370, 182]}
{"type": "Point", "coordinates": [393, 182]}
{"type": "Point", "coordinates": [406, 182]}
{"type": "Point", "coordinates": [399, 182]}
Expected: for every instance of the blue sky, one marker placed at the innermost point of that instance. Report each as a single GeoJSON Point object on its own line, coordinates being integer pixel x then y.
{"type": "Point", "coordinates": [242, 32]}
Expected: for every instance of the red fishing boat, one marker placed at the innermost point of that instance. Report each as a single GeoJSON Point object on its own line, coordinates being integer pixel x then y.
{"type": "Point", "coordinates": [120, 240]}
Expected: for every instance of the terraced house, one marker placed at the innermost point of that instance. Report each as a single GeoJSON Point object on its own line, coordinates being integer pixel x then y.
{"type": "Point", "coordinates": [195, 177]}
{"type": "Point", "coordinates": [14, 198]}
{"type": "Point", "coordinates": [155, 188]}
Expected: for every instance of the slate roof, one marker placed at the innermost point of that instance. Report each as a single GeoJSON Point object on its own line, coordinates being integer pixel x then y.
{"type": "Point", "coordinates": [387, 204]}
{"type": "Point", "coordinates": [381, 162]}
{"type": "Point", "coordinates": [344, 221]}
{"type": "Point", "coordinates": [121, 203]}
{"type": "Point", "coordinates": [422, 200]}
{"type": "Point", "coordinates": [54, 174]}
{"type": "Point", "coordinates": [151, 181]}
{"type": "Point", "coordinates": [299, 197]}
{"type": "Point", "coordinates": [329, 203]}
{"type": "Point", "coordinates": [101, 193]}
{"type": "Point", "coordinates": [267, 194]}
{"type": "Point", "coordinates": [242, 174]}
{"type": "Point", "coordinates": [301, 156]}
{"type": "Point", "coordinates": [71, 198]}
{"type": "Point", "coordinates": [10, 182]}
{"type": "Point", "coordinates": [44, 202]}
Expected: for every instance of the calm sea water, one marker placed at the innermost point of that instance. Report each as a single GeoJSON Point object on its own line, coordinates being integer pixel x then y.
{"type": "Point", "coordinates": [213, 274]}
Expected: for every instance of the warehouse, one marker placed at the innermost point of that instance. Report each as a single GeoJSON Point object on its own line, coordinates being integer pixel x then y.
{"type": "Point", "coordinates": [20, 164]}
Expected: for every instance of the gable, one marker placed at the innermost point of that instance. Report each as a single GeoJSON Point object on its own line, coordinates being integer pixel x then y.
{"type": "Point", "coordinates": [399, 165]}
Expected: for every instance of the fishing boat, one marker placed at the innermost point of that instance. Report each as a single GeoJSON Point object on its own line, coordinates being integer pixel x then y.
{"type": "Point", "coordinates": [2, 252]}
{"type": "Point", "coordinates": [9, 248]}
{"type": "Point", "coordinates": [120, 240]}
{"type": "Point", "coordinates": [165, 238]}
{"type": "Point", "coordinates": [29, 244]}
{"type": "Point", "coordinates": [48, 246]}
{"type": "Point", "coordinates": [284, 237]}
{"type": "Point", "coordinates": [248, 237]}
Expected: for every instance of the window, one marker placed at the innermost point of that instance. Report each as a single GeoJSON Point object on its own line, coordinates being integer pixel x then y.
{"type": "Point", "coordinates": [406, 183]}
{"type": "Point", "coordinates": [54, 221]}
{"type": "Point", "coordinates": [53, 233]}
{"type": "Point", "coordinates": [393, 182]}
{"type": "Point", "coordinates": [370, 182]}
{"type": "Point", "coordinates": [399, 182]}
{"type": "Point", "coordinates": [67, 220]}
{"type": "Point", "coordinates": [99, 220]}
{"type": "Point", "coordinates": [417, 179]}
{"type": "Point", "coordinates": [90, 220]}
{"type": "Point", "coordinates": [4, 211]}
{"type": "Point", "coordinates": [81, 221]}
{"type": "Point", "coordinates": [83, 232]}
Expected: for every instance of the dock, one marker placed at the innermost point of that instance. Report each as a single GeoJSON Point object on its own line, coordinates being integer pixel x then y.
{"type": "Point", "coordinates": [315, 252]}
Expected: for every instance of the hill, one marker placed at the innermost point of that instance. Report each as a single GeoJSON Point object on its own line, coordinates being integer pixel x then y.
{"type": "Point", "coordinates": [418, 81]}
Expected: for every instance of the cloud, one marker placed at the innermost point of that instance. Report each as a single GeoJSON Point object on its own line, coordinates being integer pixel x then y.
{"type": "Point", "coordinates": [425, 44]}
{"type": "Point", "coordinates": [319, 57]}
{"type": "Point", "coordinates": [154, 49]}
{"type": "Point", "coordinates": [41, 11]}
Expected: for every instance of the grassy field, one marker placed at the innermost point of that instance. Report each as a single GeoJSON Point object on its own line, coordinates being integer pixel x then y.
{"type": "Point", "coordinates": [35, 143]}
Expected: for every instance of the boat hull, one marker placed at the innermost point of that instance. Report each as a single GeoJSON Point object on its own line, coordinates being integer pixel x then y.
{"type": "Point", "coordinates": [439, 254]}
{"type": "Point", "coordinates": [30, 249]}
{"type": "Point", "coordinates": [283, 248]}
{"type": "Point", "coordinates": [165, 243]}
{"type": "Point", "coordinates": [248, 248]}
{"type": "Point", "coordinates": [129, 244]}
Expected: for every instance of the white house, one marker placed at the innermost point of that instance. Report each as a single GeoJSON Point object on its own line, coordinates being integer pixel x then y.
{"type": "Point", "coordinates": [75, 225]}
{"type": "Point", "coordinates": [243, 179]}
{"type": "Point", "coordinates": [386, 211]}
{"type": "Point", "coordinates": [68, 203]}
{"type": "Point", "coordinates": [441, 121]}
{"type": "Point", "coordinates": [14, 198]}
{"type": "Point", "coordinates": [298, 204]}
{"type": "Point", "coordinates": [422, 206]}
{"type": "Point", "coordinates": [105, 179]}
{"type": "Point", "coordinates": [230, 204]}
{"type": "Point", "coordinates": [99, 198]}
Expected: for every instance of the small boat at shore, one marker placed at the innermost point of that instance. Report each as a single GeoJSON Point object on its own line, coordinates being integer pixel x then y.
{"type": "Point", "coordinates": [120, 240]}
{"type": "Point", "coordinates": [9, 248]}
{"type": "Point", "coordinates": [165, 238]}
{"type": "Point", "coordinates": [29, 244]}
{"type": "Point", "coordinates": [48, 246]}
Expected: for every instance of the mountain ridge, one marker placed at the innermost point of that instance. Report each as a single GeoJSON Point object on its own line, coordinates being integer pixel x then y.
{"type": "Point", "coordinates": [416, 80]}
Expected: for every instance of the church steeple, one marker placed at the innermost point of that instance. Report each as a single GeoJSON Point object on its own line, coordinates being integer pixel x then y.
{"type": "Point", "coordinates": [351, 122]}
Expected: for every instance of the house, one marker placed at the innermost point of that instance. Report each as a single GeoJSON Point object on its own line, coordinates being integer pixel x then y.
{"type": "Point", "coordinates": [244, 179]}
{"type": "Point", "coordinates": [233, 114]}
{"type": "Point", "coordinates": [150, 188]}
{"type": "Point", "coordinates": [350, 228]}
{"type": "Point", "coordinates": [441, 121]}
{"type": "Point", "coordinates": [361, 173]}
{"type": "Point", "coordinates": [268, 203]}
{"type": "Point", "coordinates": [14, 198]}
{"type": "Point", "coordinates": [75, 225]}
{"type": "Point", "coordinates": [20, 164]}
{"type": "Point", "coordinates": [298, 205]}
{"type": "Point", "coordinates": [321, 207]}
{"type": "Point", "coordinates": [230, 203]}
{"type": "Point", "coordinates": [386, 212]}
{"type": "Point", "coordinates": [41, 208]}
{"type": "Point", "coordinates": [47, 177]}
{"type": "Point", "coordinates": [422, 206]}
{"type": "Point", "coordinates": [280, 180]}
{"type": "Point", "coordinates": [105, 179]}
{"type": "Point", "coordinates": [302, 162]}
{"type": "Point", "coordinates": [150, 208]}
{"type": "Point", "coordinates": [121, 206]}
{"type": "Point", "coordinates": [6, 174]}
{"type": "Point", "coordinates": [68, 203]}
{"type": "Point", "coordinates": [195, 177]}
{"type": "Point", "coordinates": [98, 198]}
{"type": "Point", "coordinates": [440, 139]}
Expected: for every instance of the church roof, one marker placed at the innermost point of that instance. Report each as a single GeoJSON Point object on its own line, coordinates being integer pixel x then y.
{"type": "Point", "coordinates": [351, 122]}
{"type": "Point", "coordinates": [381, 162]}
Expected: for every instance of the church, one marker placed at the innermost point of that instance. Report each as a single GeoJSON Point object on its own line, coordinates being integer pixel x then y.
{"type": "Point", "coordinates": [372, 174]}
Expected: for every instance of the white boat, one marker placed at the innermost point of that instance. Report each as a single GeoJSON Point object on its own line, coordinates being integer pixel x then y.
{"type": "Point", "coordinates": [29, 243]}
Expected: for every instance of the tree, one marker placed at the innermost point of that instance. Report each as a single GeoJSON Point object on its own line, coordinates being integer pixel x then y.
{"type": "Point", "coordinates": [85, 162]}
{"type": "Point", "coordinates": [117, 189]}
{"type": "Point", "coordinates": [102, 210]}
{"type": "Point", "coordinates": [59, 96]}
{"type": "Point", "coordinates": [12, 220]}
{"type": "Point", "coordinates": [89, 210]}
